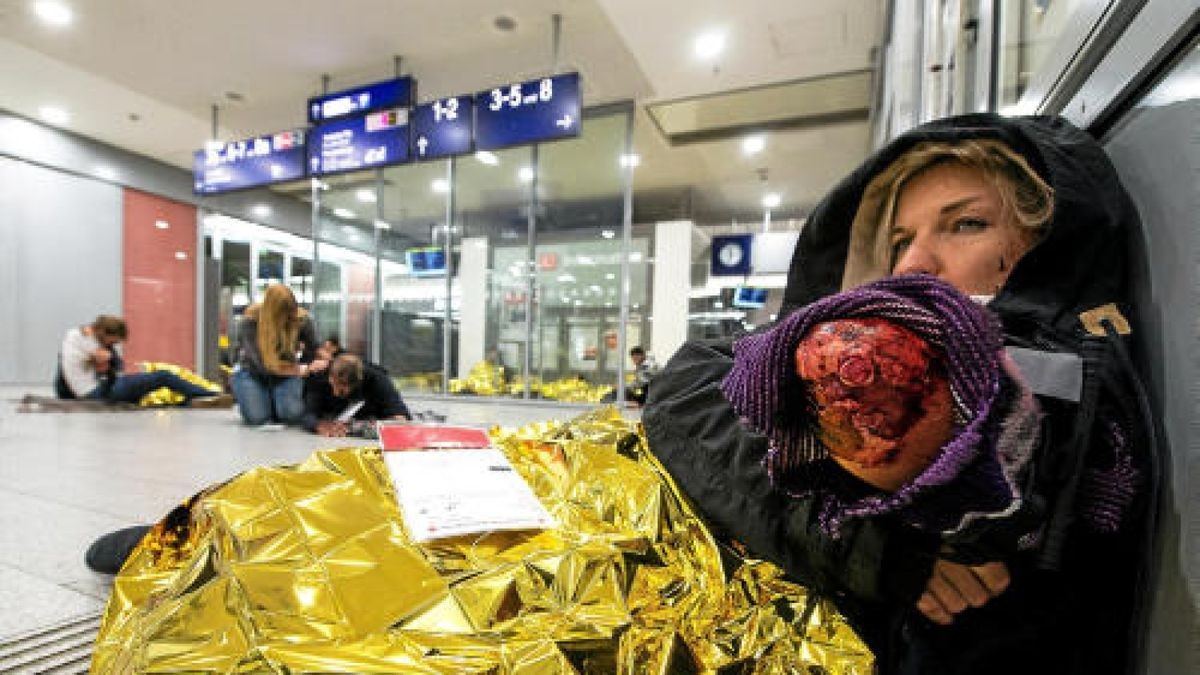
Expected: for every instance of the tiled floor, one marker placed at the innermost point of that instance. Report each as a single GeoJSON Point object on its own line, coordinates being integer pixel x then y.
{"type": "Point", "coordinates": [66, 478]}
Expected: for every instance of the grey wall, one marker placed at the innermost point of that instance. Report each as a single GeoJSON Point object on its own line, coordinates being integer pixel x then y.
{"type": "Point", "coordinates": [60, 263]}
{"type": "Point", "coordinates": [1157, 153]}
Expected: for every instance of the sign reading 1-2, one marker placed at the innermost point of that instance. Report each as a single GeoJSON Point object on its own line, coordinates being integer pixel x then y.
{"type": "Point", "coordinates": [528, 112]}
{"type": "Point", "coordinates": [442, 128]}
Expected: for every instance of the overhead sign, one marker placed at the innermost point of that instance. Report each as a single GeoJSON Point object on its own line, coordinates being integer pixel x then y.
{"type": "Point", "coordinates": [377, 139]}
{"type": "Point", "coordinates": [250, 163]}
{"type": "Point", "coordinates": [442, 128]}
{"type": "Point", "coordinates": [528, 112]}
{"type": "Point", "coordinates": [397, 93]}
{"type": "Point", "coordinates": [731, 255]}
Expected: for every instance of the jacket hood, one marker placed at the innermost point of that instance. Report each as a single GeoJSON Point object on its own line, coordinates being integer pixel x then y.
{"type": "Point", "coordinates": [1079, 264]}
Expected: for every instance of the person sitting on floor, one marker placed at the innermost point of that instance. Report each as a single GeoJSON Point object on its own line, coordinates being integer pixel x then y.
{"type": "Point", "coordinates": [352, 390]}
{"type": "Point", "coordinates": [90, 364]}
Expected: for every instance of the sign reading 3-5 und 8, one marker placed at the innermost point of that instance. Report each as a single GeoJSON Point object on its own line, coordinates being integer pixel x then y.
{"type": "Point", "coordinates": [249, 163]}
{"type": "Point", "coordinates": [377, 139]}
{"type": "Point", "coordinates": [442, 128]}
{"type": "Point", "coordinates": [528, 112]}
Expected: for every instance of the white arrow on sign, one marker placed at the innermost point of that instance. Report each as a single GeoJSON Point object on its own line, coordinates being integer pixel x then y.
{"type": "Point", "coordinates": [565, 122]}
{"type": "Point", "coordinates": [422, 143]}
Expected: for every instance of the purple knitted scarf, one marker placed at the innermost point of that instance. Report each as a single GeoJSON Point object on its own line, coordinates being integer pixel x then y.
{"type": "Point", "coordinates": [995, 418]}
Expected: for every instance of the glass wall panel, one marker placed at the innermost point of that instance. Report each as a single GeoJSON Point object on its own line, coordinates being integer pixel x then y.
{"type": "Point", "coordinates": [414, 244]}
{"type": "Point", "coordinates": [1030, 30]}
{"type": "Point", "coordinates": [345, 305]}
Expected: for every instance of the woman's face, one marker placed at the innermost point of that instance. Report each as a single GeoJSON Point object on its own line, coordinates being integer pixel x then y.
{"type": "Point", "coordinates": [951, 223]}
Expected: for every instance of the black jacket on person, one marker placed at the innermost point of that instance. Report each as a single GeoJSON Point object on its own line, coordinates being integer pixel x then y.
{"type": "Point", "coordinates": [1075, 611]}
{"type": "Point", "coordinates": [380, 398]}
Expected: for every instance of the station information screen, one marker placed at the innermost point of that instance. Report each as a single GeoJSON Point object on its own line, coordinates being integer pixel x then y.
{"type": "Point", "coordinates": [396, 93]}
{"type": "Point", "coordinates": [249, 163]}
{"type": "Point", "coordinates": [528, 112]}
{"type": "Point", "coordinates": [376, 139]}
{"type": "Point", "coordinates": [442, 128]}
{"type": "Point", "coordinates": [426, 262]}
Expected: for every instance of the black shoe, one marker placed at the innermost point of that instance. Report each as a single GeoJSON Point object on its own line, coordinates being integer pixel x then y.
{"type": "Point", "coordinates": [109, 553]}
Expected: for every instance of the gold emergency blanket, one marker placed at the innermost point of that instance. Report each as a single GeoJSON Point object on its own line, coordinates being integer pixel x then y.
{"type": "Point", "coordinates": [308, 569]}
{"type": "Point", "coordinates": [164, 396]}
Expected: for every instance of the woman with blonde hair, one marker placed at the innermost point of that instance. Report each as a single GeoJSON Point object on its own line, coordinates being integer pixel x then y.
{"type": "Point", "coordinates": [277, 339]}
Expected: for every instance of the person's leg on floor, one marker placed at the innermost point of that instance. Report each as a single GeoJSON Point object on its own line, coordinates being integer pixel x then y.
{"type": "Point", "coordinates": [253, 398]}
{"type": "Point", "coordinates": [131, 388]}
{"type": "Point", "coordinates": [109, 553]}
{"type": "Point", "coordinates": [289, 400]}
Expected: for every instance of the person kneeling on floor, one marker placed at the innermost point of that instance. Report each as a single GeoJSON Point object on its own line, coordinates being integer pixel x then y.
{"type": "Point", "coordinates": [90, 364]}
{"type": "Point", "coordinates": [350, 395]}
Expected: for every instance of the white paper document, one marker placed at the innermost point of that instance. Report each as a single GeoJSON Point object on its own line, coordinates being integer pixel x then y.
{"type": "Point", "coordinates": [447, 493]}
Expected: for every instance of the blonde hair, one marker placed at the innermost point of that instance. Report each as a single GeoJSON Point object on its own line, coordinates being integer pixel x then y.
{"type": "Point", "coordinates": [279, 319]}
{"type": "Point", "coordinates": [1023, 193]}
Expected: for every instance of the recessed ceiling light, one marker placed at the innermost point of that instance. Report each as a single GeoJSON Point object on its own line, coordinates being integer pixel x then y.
{"type": "Point", "coordinates": [488, 158]}
{"type": "Point", "coordinates": [162, 224]}
{"type": "Point", "coordinates": [607, 234]}
{"type": "Point", "coordinates": [106, 172]}
{"type": "Point", "coordinates": [440, 185]}
{"type": "Point", "coordinates": [752, 145]}
{"type": "Point", "coordinates": [53, 12]}
{"type": "Point", "coordinates": [632, 160]}
{"type": "Point", "coordinates": [709, 45]}
{"type": "Point", "coordinates": [180, 255]}
{"type": "Point", "coordinates": [365, 195]}
{"type": "Point", "coordinates": [610, 276]}
{"type": "Point", "coordinates": [343, 213]}
{"type": "Point", "coordinates": [525, 174]}
{"type": "Point", "coordinates": [771, 200]}
{"type": "Point", "coordinates": [54, 115]}
{"type": "Point", "coordinates": [261, 211]}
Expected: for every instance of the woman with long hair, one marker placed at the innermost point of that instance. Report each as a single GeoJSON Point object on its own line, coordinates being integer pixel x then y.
{"type": "Point", "coordinates": [277, 339]}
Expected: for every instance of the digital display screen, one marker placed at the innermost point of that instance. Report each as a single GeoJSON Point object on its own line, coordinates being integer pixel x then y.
{"type": "Point", "coordinates": [426, 262]}
{"type": "Point", "coordinates": [377, 139]}
{"type": "Point", "coordinates": [250, 163]}
{"type": "Point", "coordinates": [528, 112]}
{"type": "Point", "coordinates": [749, 297]}
{"type": "Point", "coordinates": [397, 93]}
{"type": "Point", "coordinates": [442, 128]}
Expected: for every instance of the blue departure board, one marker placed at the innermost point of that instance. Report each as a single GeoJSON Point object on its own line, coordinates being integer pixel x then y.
{"type": "Point", "coordinates": [397, 93]}
{"type": "Point", "coordinates": [376, 139]}
{"type": "Point", "coordinates": [250, 163]}
{"type": "Point", "coordinates": [426, 262]}
{"type": "Point", "coordinates": [442, 128]}
{"type": "Point", "coordinates": [528, 112]}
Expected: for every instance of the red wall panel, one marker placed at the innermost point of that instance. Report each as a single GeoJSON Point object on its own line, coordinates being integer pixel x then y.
{"type": "Point", "coordinates": [159, 280]}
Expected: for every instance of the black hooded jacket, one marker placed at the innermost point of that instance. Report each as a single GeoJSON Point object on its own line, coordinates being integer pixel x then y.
{"type": "Point", "coordinates": [1071, 619]}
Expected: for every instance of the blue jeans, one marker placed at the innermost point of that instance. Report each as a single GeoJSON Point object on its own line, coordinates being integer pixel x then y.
{"type": "Point", "coordinates": [131, 388]}
{"type": "Point", "coordinates": [280, 401]}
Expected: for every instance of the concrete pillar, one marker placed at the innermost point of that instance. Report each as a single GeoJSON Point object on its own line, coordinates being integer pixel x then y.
{"type": "Point", "coordinates": [672, 283]}
{"type": "Point", "coordinates": [472, 322]}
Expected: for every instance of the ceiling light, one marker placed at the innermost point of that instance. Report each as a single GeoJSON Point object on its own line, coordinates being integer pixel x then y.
{"type": "Point", "coordinates": [53, 12]}
{"type": "Point", "coordinates": [343, 213]}
{"type": "Point", "coordinates": [382, 225]}
{"type": "Point", "coordinates": [709, 45]}
{"type": "Point", "coordinates": [771, 200]}
{"type": "Point", "coordinates": [162, 224]}
{"type": "Point", "coordinates": [566, 279]}
{"type": "Point", "coordinates": [180, 255]}
{"type": "Point", "coordinates": [610, 276]}
{"type": "Point", "coordinates": [365, 195]}
{"type": "Point", "coordinates": [440, 186]}
{"type": "Point", "coordinates": [488, 158]}
{"type": "Point", "coordinates": [752, 145]}
{"type": "Point", "coordinates": [54, 115]}
{"type": "Point", "coordinates": [631, 160]}
{"type": "Point", "coordinates": [261, 211]}
{"type": "Point", "coordinates": [106, 172]}
{"type": "Point", "coordinates": [525, 174]}
{"type": "Point", "coordinates": [607, 234]}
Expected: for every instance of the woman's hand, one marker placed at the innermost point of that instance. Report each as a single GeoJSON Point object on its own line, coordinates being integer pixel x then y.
{"type": "Point", "coordinates": [953, 588]}
{"type": "Point", "coordinates": [318, 365]}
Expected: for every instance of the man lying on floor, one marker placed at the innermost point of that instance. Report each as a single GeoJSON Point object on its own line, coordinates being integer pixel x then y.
{"type": "Point", "coordinates": [349, 396]}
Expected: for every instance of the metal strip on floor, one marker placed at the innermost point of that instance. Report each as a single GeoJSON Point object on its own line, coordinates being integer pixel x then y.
{"type": "Point", "coordinates": [61, 648]}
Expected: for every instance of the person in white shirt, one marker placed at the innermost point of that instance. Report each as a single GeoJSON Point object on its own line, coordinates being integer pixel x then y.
{"type": "Point", "coordinates": [90, 363]}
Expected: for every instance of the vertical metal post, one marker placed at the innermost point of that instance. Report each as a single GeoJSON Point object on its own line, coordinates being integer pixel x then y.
{"type": "Point", "coordinates": [448, 322]}
{"type": "Point", "coordinates": [556, 37]}
{"type": "Point", "coordinates": [377, 313]}
{"type": "Point", "coordinates": [626, 245]}
{"type": "Point", "coordinates": [531, 262]}
{"type": "Point", "coordinates": [315, 217]}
